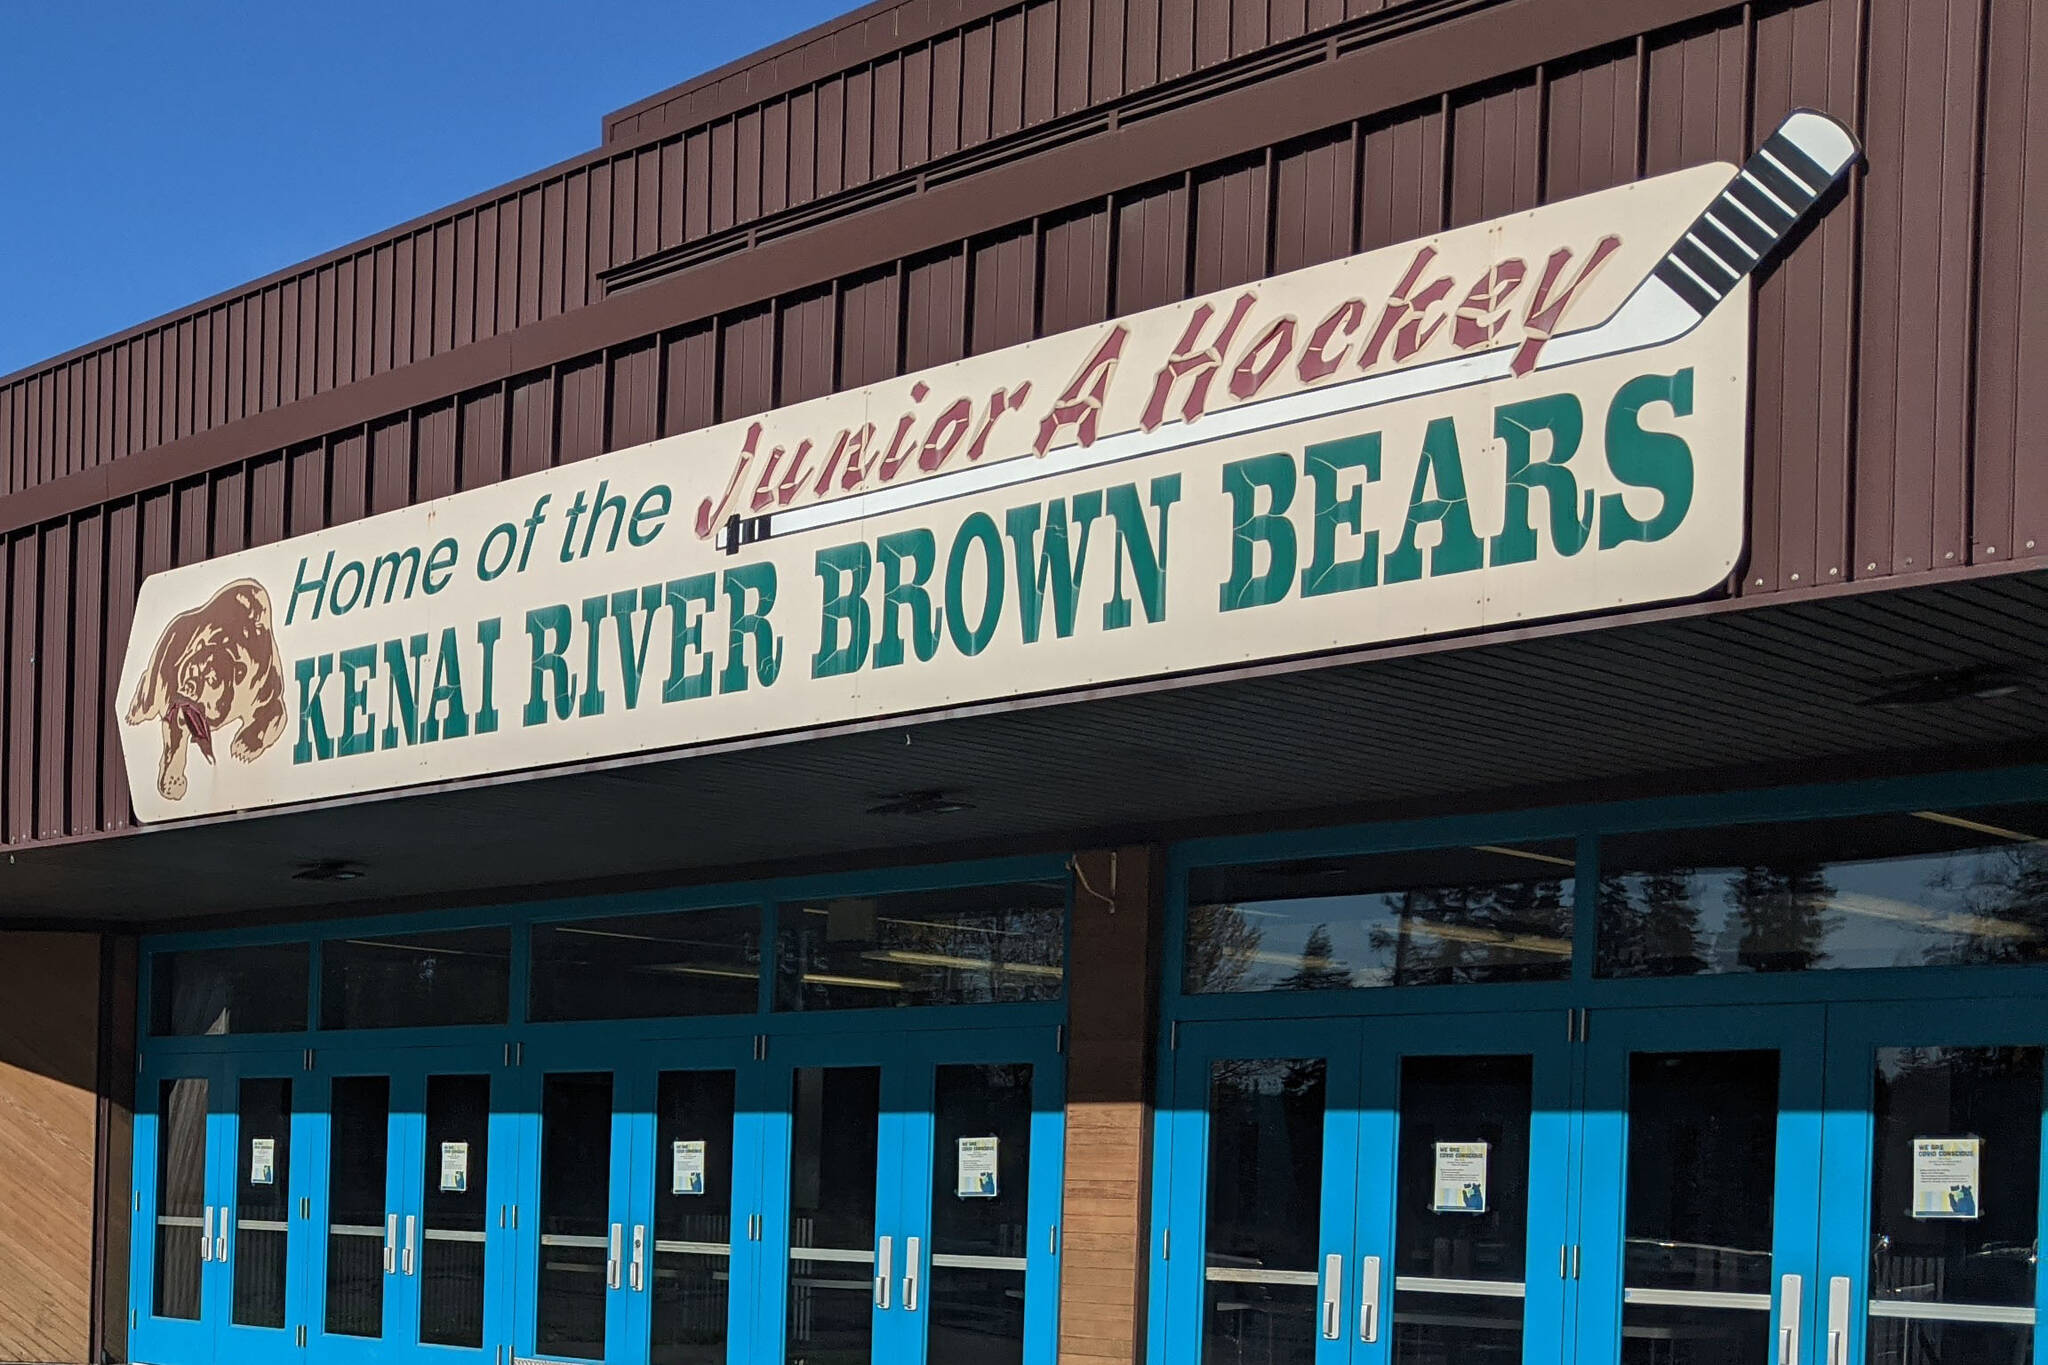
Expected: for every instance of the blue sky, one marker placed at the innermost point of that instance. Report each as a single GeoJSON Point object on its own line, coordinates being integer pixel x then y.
{"type": "Point", "coordinates": [155, 154]}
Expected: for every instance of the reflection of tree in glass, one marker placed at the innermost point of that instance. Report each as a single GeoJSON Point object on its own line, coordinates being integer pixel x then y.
{"type": "Point", "coordinates": [1650, 925]}
{"type": "Point", "coordinates": [2003, 894]}
{"type": "Point", "coordinates": [1782, 916]}
{"type": "Point", "coordinates": [1500, 931]}
{"type": "Point", "coordinates": [1222, 945]}
{"type": "Point", "coordinates": [1317, 971]}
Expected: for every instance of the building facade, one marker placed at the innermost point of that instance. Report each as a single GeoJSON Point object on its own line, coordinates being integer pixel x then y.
{"type": "Point", "coordinates": [1078, 681]}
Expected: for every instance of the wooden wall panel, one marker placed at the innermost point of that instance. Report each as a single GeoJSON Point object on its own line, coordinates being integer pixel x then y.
{"type": "Point", "coordinates": [49, 1124]}
{"type": "Point", "coordinates": [1112, 991]}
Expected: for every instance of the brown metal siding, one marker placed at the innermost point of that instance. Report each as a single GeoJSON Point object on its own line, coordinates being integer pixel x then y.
{"type": "Point", "coordinates": [1891, 350]}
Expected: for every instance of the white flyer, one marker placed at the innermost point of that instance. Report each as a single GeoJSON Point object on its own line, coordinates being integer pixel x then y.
{"type": "Point", "coordinates": [1460, 1177]}
{"type": "Point", "coordinates": [454, 1167]}
{"type": "Point", "coordinates": [978, 1157]}
{"type": "Point", "coordinates": [263, 1161]}
{"type": "Point", "coordinates": [688, 1175]}
{"type": "Point", "coordinates": [1945, 1177]}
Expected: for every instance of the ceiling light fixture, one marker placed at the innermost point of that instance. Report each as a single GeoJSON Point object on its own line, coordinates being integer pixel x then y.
{"type": "Point", "coordinates": [1985, 682]}
{"type": "Point", "coordinates": [329, 870]}
{"type": "Point", "coordinates": [932, 802]}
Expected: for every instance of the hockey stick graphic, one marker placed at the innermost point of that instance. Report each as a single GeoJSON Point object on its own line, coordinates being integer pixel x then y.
{"type": "Point", "coordinates": [1750, 219]}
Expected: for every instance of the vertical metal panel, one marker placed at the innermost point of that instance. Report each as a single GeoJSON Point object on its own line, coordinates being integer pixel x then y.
{"type": "Point", "coordinates": [123, 579]}
{"type": "Point", "coordinates": [746, 363]}
{"type": "Point", "coordinates": [21, 686]}
{"type": "Point", "coordinates": [1697, 110]}
{"type": "Point", "coordinates": [53, 682]}
{"type": "Point", "coordinates": [1231, 224]}
{"type": "Point", "coordinates": [1041, 56]}
{"type": "Point", "coordinates": [1151, 261]}
{"type": "Point", "coordinates": [808, 347]}
{"type": "Point", "coordinates": [193, 536]}
{"type": "Point", "coordinates": [462, 320]}
{"type": "Point", "coordinates": [935, 310]}
{"type": "Point", "coordinates": [1212, 31]}
{"type": "Point", "coordinates": [267, 500]}
{"type": "Point", "coordinates": [1076, 20]}
{"type": "Point", "coordinates": [230, 512]}
{"type": "Point", "coordinates": [306, 477]}
{"type": "Point", "coordinates": [1006, 73]}
{"type": "Point", "coordinates": [533, 423]}
{"type": "Point", "coordinates": [390, 465]}
{"type": "Point", "coordinates": [803, 150]}
{"type": "Point", "coordinates": [887, 134]}
{"type": "Point", "coordinates": [870, 309]}
{"type": "Point", "coordinates": [442, 337]}
{"type": "Point", "coordinates": [634, 395]}
{"type": "Point", "coordinates": [581, 396]}
{"type": "Point", "coordinates": [859, 143]}
{"type": "Point", "coordinates": [1004, 269]}
{"type": "Point", "coordinates": [977, 71]}
{"type": "Point", "coordinates": [917, 129]}
{"type": "Point", "coordinates": [1591, 123]}
{"type": "Point", "coordinates": [1313, 196]}
{"type": "Point", "coordinates": [505, 268]}
{"type": "Point", "coordinates": [529, 257]}
{"type": "Point", "coordinates": [1073, 288]}
{"type": "Point", "coordinates": [672, 176]}
{"type": "Point", "coordinates": [690, 379]}
{"type": "Point", "coordinates": [348, 477]}
{"type": "Point", "coordinates": [1401, 191]}
{"type": "Point", "coordinates": [947, 60]}
{"type": "Point", "coordinates": [434, 452]}
{"type": "Point", "coordinates": [89, 640]}
{"type": "Point", "coordinates": [646, 200]}
{"type": "Point", "coordinates": [1496, 151]}
{"type": "Point", "coordinates": [483, 436]}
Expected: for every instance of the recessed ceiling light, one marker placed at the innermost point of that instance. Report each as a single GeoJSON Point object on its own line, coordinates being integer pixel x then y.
{"type": "Point", "coordinates": [329, 870]}
{"type": "Point", "coordinates": [932, 802]}
{"type": "Point", "coordinates": [1986, 682]}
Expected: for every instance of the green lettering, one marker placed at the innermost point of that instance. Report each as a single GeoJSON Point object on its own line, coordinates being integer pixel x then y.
{"type": "Point", "coordinates": [1516, 425]}
{"type": "Point", "coordinates": [978, 529]}
{"type": "Point", "coordinates": [402, 689]}
{"type": "Point", "coordinates": [632, 652]}
{"type": "Point", "coordinates": [358, 731]}
{"type": "Point", "coordinates": [487, 632]}
{"type": "Point", "coordinates": [595, 609]}
{"type": "Point", "coordinates": [1457, 547]}
{"type": "Point", "coordinates": [1250, 528]}
{"type": "Point", "coordinates": [548, 630]}
{"type": "Point", "coordinates": [751, 627]}
{"type": "Point", "coordinates": [312, 675]}
{"type": "Point", "coordinates": [1055, 568]}
{"type": "Point", "coordinates": [1647, 459]}
{"type": "Point", "coordinates": [445, 714]}
{"type": "Point", "coordinates": [1135, 544]}
{"type": "Point", "coordinates": [1325, 460]}
{"type": "Point", "coordinates": [901, 593]}
{"type": "Point", "coordinates": [844, 571]}
{"type": "Point", "coordinates": [686, 636]}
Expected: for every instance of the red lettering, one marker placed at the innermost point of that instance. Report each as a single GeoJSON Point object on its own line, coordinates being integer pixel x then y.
{"type": "Point", "coordinates": [798, 468]}
{"type": "Point", "coordinates": [897, 452]}
{"type": "Point", "coordinates": [1484, 311]}
{"type": "Point", "coordinates": [1402, 320]}
{"type": "Point", "coordinates": [939, 445]}
{"type": "Point", "coordinates": [1316, 361]}
{"type": "Point", "coordinates": [1267, 355]}
{"type": "Point", "coordinates": [998, 404]}
{"type": "Point", "coordinates": [1080, 404]}
{"type": "Point", "coordinates": [848, 448]}
{"type": "Point", "coordinates": [710, 514]}
{"type": "Point", "coordinates": [1197, 366]}
{"type": "Point", "coordinates": [1546, 311]}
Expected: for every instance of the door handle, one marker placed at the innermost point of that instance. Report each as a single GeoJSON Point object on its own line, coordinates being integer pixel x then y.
{"type": "Point", "coordinates": [639, 1280]}
{"type": "Point", "coordinates": [1369, 1299]}
{"type": "Point", "coordinates": [220, 1243]}
{"type": "Point", "coordinates": [411, 1228]}
{"type": "Point", "coordinates": [1790, 1290]}
{"type": "Point", "coordinates": [884, 1268]}
{"type": "Point", "coordinates": [390, 1244]}
{"type": "Point", "coordinates": [913, 1257]}
{"type": "Point", "coordinates": [1838, 1320]}
{"type": "Point", "coordinates": [1333, 1297]}
{"type": "Point", "coordinates": [206, 1234]}
{"type": "Point", "coordinates": [611, 1262]}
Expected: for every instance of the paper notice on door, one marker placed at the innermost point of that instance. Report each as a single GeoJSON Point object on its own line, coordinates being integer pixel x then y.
{"type": "Point", "coordinates": [978, 1158]}
{"type": "Point", "coordinates": [454, 1167]}
{"type": "Point", "coordinates": [263, 1161]}
{"type": "Point", "coordinates": [687, 1177]}
{"type": "Point", "coordinates": [1945, 1177]}
{"type": "Point", "coordinates": [1460, 1177]}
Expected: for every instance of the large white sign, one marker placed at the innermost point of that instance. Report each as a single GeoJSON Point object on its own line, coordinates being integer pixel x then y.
{"type": "Point", "coordinates": [1531, 417]}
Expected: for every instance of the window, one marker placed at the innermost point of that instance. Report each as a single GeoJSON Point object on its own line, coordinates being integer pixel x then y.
{"type": "Point", "coordinates": [1910, 889]}
{"type": "Point", "coordinates": [213, 991]}
{"type": "Point", "coordinates": [648, 966]}
{"type": "Point", "coordinates": [462, 976]}
{"type": "Point", "coordinates": [963, 946]}
{"type": "Point", "coordinates": [1435, 917]}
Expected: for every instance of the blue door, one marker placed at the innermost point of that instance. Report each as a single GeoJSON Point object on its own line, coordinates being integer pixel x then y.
{"type": "Point", "coordinates": [911, 1214]}
{"type": "Point", "coordinates": [1367, 1191]}
{"type": "Point", "coordinates": [221, 1155]}
{"type": "Point", "coordinates": [409, 1203]}
{"type": "Point", "coordinates": [1699, 1207]}
{"type": "Point", "coordinates": [1931, 1195]}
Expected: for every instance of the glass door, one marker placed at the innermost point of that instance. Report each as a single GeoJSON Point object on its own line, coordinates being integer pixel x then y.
{"type": "Point", "coordinates": [1700, 1212]}
{"type": "Point", "coordinates": [980, 1199]}
{"type": "Point", "coordinates": [572, 1302]}
{"type": "Point", "coordinates": [1931, 1215]}
{"type": "Point", "coordinates": [180, 1129]}
{"type": "Point", "coordinates": [1464, 1141]}
{"type": "Point", "coordinates": [1262, 1180]}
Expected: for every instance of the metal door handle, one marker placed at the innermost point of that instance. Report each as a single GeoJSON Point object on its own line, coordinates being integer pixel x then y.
{"type": "Point", "coordinates": [1333, 1297]}
{"type": "Point", "coordinates": [1789, 1308]}
{"type": "Point", "coordinates": [1369, 1299]}
{"type": "Point", "coordinates": [390, 1244]}
{"type": "Point", "coordinates": [884, 1268]}
{"type": "Point", "coordinates": [611, 1261]}
{"type": "Point", "coordinates": [220, 1243]}
{"type": "Point", "coordinates": [1838, 1320]}
{"type": "Point", "coordinates": [411, 1228]}
{"type": "Point", "coordinates": [913, 1256]}
{"type": "Point", "coordinates": [639, 1280]}
{"type": "Point", "coordinates": [206, 1234]}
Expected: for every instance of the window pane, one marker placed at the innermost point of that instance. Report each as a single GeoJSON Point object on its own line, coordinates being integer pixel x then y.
{"type": "Point", "coordinates": [357, 1186]}
{"type": "Point", "coordinates": [692, 1254]}
{"type": "Point", "coordinates": [181, 1210]}
{"type": "Point", "coordinates": [456, 1181]}
{"type": "Point", "coordinates": [834, 1158]}
{"type": "Point", "coordinates": [1434, 917]}
{"type": "Point", "coordinates": [263, 1203]}
{"type": "Point", "coordinates": [575, 1204]}
{"type": "Point", "coordinates": [416, 980]}
{"type": "Point", "coordinates": [1911, 889]}
{"type": "Point", "coordinates": [648, 966]}
{"type": "Point", "coordinates": [979, 1251]}
{"type": "Point", "coordinates": [963, 946]}
{"type": "Point", "coordinates": [1265, 1212]}
{"type": "Point", "coordinates": [230, 990]}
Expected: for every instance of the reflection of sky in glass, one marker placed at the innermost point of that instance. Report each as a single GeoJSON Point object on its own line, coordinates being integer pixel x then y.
{"type": "Point", "coordinates": [1966, 906]}
{"type": "Point", "coordinates": [1502, 931]}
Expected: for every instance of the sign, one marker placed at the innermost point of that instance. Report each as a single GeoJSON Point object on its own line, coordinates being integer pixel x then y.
{"type": "Point", "coordinates": [1533, 417]}
{"type": "Point", "coordinates": [454, 1167]}
{"type": "Point", "coordinates": [687, 1177]}
{"type": "Point", "coordinates": [1945, 1178]}
{"type": "Point", "coordinates": [1460, 1177]}
{"type": "Point", "coordinates": [263, 1161]}
{"type": "Point", "coordinates": [977, 1174]}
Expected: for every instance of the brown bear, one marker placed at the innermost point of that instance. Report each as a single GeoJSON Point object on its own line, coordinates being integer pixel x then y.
{"type": "Point", "coordinates": [214, 667]}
